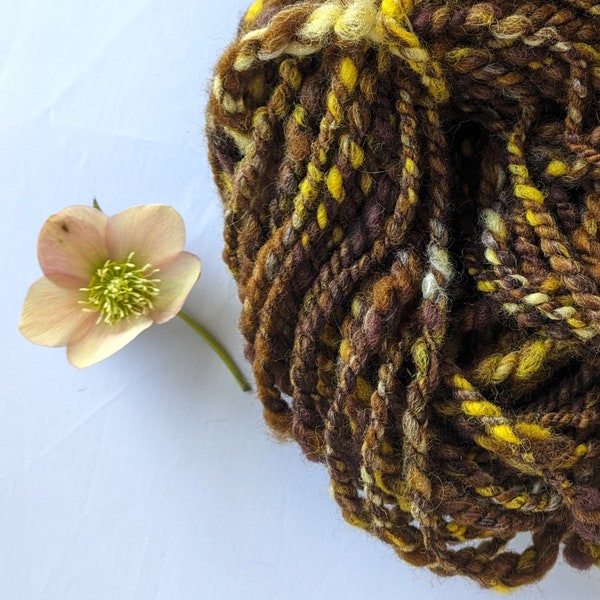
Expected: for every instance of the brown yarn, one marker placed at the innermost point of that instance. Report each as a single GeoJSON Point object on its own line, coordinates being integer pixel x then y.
{"type": "Point", "coordinates": [412, 215]}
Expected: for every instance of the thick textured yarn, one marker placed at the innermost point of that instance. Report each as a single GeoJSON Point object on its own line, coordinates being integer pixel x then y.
{"type": "Point", "coordinates": [412, 215]}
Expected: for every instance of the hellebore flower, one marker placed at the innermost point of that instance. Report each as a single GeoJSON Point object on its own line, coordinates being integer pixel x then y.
{"type": "Point", "coordinates": [106, 279]}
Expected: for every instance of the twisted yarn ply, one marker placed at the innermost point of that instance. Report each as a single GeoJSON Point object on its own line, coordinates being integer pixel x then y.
{"type": "Point", "coordinates": [412, 215]}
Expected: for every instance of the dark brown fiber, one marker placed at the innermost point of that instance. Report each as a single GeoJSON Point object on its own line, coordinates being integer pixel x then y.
{"type": "Point", "coordinates": [412, 216]}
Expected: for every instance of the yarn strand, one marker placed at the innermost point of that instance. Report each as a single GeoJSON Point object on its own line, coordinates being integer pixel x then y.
{"type": "Point", "coordinates": [411, 195]}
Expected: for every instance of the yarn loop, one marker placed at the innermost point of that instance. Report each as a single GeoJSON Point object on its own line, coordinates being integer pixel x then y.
{"type": "Point", "coordinates": [412, 216]}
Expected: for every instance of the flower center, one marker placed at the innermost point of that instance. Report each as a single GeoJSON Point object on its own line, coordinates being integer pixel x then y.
{"type": "Point", "coordinates": [119, 290]}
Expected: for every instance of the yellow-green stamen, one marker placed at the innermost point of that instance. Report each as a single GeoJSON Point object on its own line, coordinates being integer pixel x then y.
{"type": "Point", "coordinates": [119, 290]}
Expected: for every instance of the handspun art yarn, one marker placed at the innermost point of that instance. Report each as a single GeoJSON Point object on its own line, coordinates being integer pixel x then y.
{"type": "Point", "coordinates": [411, 196]}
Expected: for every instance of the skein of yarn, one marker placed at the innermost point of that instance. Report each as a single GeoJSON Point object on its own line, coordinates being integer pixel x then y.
{"type": "Point", "coordinates": [412, 215]}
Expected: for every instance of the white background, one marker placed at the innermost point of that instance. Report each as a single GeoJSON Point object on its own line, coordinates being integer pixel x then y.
{"type": "Point", "coordinates": [151, 476]}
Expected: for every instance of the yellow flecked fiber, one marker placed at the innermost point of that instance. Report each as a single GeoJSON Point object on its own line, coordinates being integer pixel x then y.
{"type": "Point", "coordinates": [363, 390]}
{"type": "Point", "coordinates": [513, 147]}
{"type": "Point", "coordinates": [338, 234]}
{"type": "Point", "coordinates": [322, 216]}
{"type": "Point", "coordinates": [354, 152]}
{"type": "Point", "coordinates": [335, 108]}
{"type": "Point", "coordinates": [556, 168]}
{"type": "Point", "coordinates": [460, 382]}
{"type": "Point", "coordinates": [254, 10]}
{"type": "Point", "coordinates": [503, 589]}
{"type": "Point", "coordinates": [308, 190]}
{"type": "Point", "coordinates": [528, 192]}
{"type": "Point", "coordinates": [345, 350]}
{"type": "Point", "coordinates": [505, 434]}
{"type": "Point", "coordinates": [300, 115]}
{"type": "Point", "coordinates": [581, 450]}
{"type": "Point", "coordinates": [410, 166]}
{"type": "Point", "coordinates": [533, 431]}
{"type": "Point", "coordinates": [420, 355]}
{"type": "Point", "coordinates": [335, 184]}
{"type": "Point", "coordinates": [481, 409]}
{"type": "Point", "coordinates": [520, 170]}
{"type": "Point", "coordinates": [348, 73]}
{"type": "Point", "coordinates": [491, 257]}
{"type": "Point", "coordinates": [489, 491]}
{"type": "Point", "coordinates": [532, 359]}
{"type": "Point", "coordinates": [397, 8]}
{"type": "Point", "coordinates": [486, 286]}
{"type": "Point", "coordinates": [534, 219]}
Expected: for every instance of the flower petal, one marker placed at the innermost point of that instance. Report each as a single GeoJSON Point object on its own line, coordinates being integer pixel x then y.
{"type": "Point", "coordinates": [155, 232]}
{"type": "Point", "coordinates": [71, 245]}
{"type": "Point", "coordinates": [51, 314]}
{"type": "Point", "coordinates": [176, 281]}
{"type": "Point", "coordinates": [103, 340]}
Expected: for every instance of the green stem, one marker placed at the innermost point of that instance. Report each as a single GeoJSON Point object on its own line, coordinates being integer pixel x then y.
{"type": "Point", "coordinates": [216, 346]}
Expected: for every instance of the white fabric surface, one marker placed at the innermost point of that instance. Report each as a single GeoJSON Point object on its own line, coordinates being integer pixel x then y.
{"type": "Point", "coordinates": [151, 476]}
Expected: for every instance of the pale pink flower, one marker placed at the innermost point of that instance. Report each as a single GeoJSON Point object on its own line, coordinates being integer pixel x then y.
{"type": "Point", "coordinates": [107, 279]}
